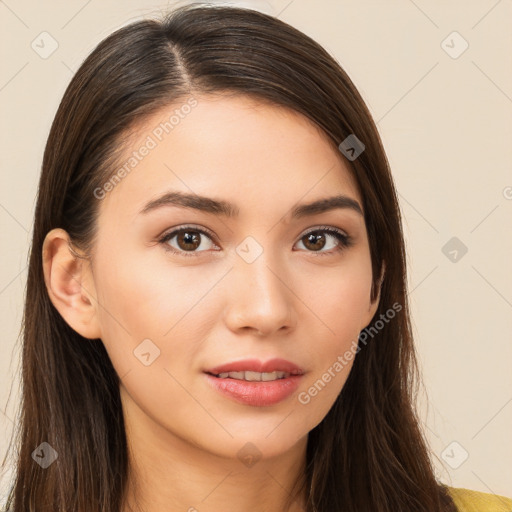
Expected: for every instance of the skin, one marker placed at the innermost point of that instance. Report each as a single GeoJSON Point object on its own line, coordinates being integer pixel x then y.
{"type": "Point", "coordinates": [205, 310]}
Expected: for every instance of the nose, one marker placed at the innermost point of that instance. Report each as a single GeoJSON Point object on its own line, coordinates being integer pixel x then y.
{"type": "Point", "coordinates": [260, 298]}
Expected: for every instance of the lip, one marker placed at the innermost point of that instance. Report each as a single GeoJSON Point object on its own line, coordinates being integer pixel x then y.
{"type": "Point", "coordinates": [255, 365]}
{"type": "Point", "coordinates": [256, 393]}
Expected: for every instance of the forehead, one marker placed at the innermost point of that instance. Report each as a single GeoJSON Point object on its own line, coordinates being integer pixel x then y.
{"type": "Point", "coordinates": [235, 147]}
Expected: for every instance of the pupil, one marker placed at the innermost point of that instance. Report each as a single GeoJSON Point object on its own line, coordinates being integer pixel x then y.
{"type": "Point", "coordinates": [314, 239]}
{"type": "Point", "coordinates": [190, 239]}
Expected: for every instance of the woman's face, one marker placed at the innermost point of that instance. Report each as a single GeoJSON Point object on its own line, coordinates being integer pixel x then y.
{"type": "Point", "coordinates": [251, 284]}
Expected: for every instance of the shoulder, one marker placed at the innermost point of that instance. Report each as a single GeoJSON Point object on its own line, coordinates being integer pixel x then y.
{"type": "Point", "coordinates": [473, 501]}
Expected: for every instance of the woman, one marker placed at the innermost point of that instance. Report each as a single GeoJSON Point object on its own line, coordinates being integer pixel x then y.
{"type": "Point", "coordinates": [216, 314]}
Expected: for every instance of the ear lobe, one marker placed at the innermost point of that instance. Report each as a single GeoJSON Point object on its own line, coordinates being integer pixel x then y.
{"type": "Point", "coordinates": [70, 285]}
{"type": "Point", "coordinates": [374, 304]}
{"type": "Point", "coordinates": [380, 280]}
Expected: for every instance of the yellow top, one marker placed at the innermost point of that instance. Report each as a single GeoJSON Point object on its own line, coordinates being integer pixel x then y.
{"type": "Point", "coordinates": [473, 501]}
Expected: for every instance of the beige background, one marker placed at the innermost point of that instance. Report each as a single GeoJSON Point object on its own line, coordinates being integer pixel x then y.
{"type": "Point", "coordinates": [447, 126]}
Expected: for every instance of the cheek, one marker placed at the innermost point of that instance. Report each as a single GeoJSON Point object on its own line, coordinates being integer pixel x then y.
{"type": "Point", "coordinates": [341, 306]}
{"type": "Point", "coordinates": [339, 296]}
{"type": "Point", "coordinates": [141, 299]}
{"type": "Point", "coordinates": [148, 325]}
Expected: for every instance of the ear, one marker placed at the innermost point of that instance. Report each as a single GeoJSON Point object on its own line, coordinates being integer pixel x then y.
{"type": "Point", "coordinates": [373, 305]}
{"type": "Point", "coordinates": [70, 284]}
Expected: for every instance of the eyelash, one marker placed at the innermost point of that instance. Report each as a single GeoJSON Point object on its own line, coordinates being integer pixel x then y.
{"type": "Point", "coordinates": [345, 241]}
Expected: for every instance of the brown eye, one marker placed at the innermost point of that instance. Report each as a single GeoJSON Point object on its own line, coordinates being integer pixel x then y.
{"type": "Point", "coordinates": [188, 241]}
{"type": "Point", "coordinates": [316, 240]}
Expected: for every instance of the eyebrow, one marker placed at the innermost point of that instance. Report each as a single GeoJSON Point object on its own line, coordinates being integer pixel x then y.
{"type": "Point", "coordinates": [230, 210]}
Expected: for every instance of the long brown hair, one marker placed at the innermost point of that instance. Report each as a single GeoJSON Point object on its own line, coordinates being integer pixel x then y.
{"type": "Point", "coordinates": [368, 453]}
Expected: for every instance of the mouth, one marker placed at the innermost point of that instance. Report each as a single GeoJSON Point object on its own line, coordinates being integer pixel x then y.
{"type": "Point", "coordinates": [254, 376]}
{"type": "Point", "coordinates": [252, 382]}
{"type": "Point", "coordinates": [256, 370]}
